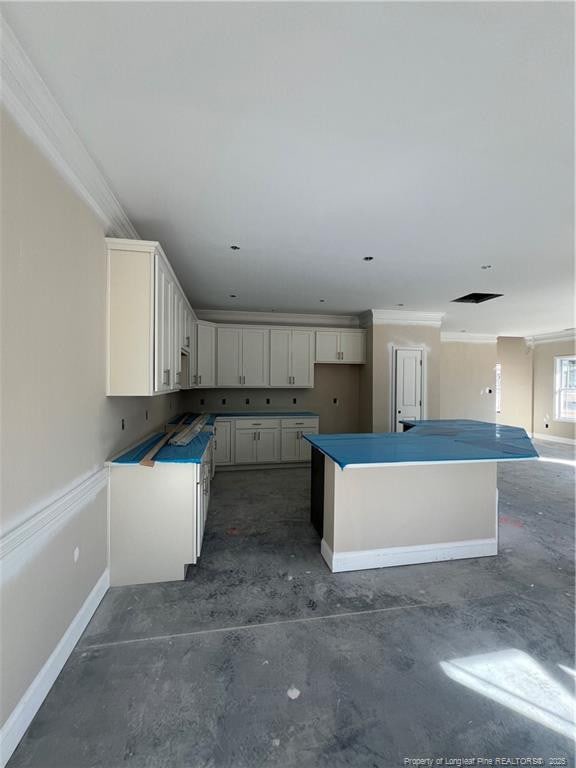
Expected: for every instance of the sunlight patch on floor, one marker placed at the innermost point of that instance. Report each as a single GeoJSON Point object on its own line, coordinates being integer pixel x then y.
{"type": "Point", "coordinates": [514, 679]}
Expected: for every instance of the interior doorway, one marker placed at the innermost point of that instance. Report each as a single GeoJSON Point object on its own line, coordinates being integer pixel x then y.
{"type": "Point", "coordinates": [407, 385]}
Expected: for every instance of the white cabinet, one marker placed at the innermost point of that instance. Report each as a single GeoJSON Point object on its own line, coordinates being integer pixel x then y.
{"type": "Point", "coordinates": [147, 315]}
{"type": "Point", "coordinates": [243, 357]}
{"type": "Point", "coordinates": [202, 499]}
{"type": "Point", "coordinates": [341, 346]}
{"type": "Point", "coordinates": [255, 357]}
{"type": "Point", "coordinates": [245, 446]}
{"type": "Point", "coordinates": [257, 442]}
{"type": "Point", "coordinates": [291, 358]}
{"type": "Point", "coordinates": [222, 442]}
{"type": "Point", "coordinates": [164, 378]}
{"type": "Point", "coordinates": [294, 446]}
{"type": "Point", "coordinates": [205, 355]}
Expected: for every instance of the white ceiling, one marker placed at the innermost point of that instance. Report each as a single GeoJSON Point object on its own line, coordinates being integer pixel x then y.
{"type": "Point", "coordinates": [435, 137]}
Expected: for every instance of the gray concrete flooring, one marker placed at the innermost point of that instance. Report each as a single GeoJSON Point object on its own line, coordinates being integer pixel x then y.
{"type": "Point", "coordinates": [265, 658]}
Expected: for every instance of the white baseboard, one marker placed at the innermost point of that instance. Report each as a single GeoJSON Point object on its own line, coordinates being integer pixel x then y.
{"type": "Point", "coordinates": [553, 439]}
{"type": "Point", "coordinates": [23, 714]}
{"type": "Point", "coordinates": [422, 553]}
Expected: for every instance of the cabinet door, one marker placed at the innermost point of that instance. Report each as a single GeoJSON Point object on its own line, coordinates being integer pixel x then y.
{"type": "Point", "coordinates": [229, 359]}
{"type": "Point", "coordinates": [302, 358]}
{"type": "Point", "coordinates": [206, 357]}
{"type": "Point", "coordinates": [255, 357]}
{"type": "Point", "coordinates": [192, 358]}
{"type": "Point", "coordinates": [280, 358]}
{"type": "Point", "coordinates": [353, 346]}
{"type": "Point", "coordinates": [268, 444]}
{"type": "Point", "coordinates": [290, 450]}
{"type": "Point", "coordinates": [327, 346]}
{"type": "Point", "coordinates": [222, 445]}
{"type": "Point", "coordinates": [304, 447]}
{"type": "Point", "coordinates": [163, 327]}
{"type": "Point", "coordinates": [178, 325]}
{"type": "Point", "coordinates": [245, 445]}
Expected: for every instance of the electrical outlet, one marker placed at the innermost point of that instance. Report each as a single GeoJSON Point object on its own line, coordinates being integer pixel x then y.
{"type": "Point", "coordinates": [294, 401]}
{"type": "Point", "coordinates": [247, 401]}
{"type": "Point", "coordinates": [201, 401]}
{"type": "Point", "coordinates": [223, 401]}
{"type": "Point", "coordinates": [267, 401]}
{"type": "Point", "coordinates": [335, 401]}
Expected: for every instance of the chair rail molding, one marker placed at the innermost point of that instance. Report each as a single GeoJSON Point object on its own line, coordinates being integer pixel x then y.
{"type": "Point", "coordinates": [20, 543]}
{"type": "Point", "coordinates": [28, 99]}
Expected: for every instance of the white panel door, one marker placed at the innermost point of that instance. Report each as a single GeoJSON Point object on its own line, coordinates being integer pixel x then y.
{"type": "Point", "coordinates": [327, 346]}
{"type": "Point", "coordinates": [302, 360]}
{"type": "Point", "coordinates": [222, 444]}
{"type": "Point", "coordinates": [268, 444]}
{"type": "Point", "coordinates": [245, 444]}
{"type": "Point", "coordinates": [206, 355]}
{"type": "Point", "coordinates": [255, 357]}
{"type": "Point", "coordinates": [408, 386]}
{"type": "Point", "coordinates": [290, 450]}
{"type": "Point", "coordinates": [280, 352]}
{"type": "Point", "coordinates": [229, 358]}
{"type": "Point", "coordinates": [353, 346]}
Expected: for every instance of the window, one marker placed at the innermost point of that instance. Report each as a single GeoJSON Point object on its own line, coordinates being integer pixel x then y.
{"type": "Point", "coordinates": [565, 388]}
{"type": "Point", "coordinates": [498, 387]}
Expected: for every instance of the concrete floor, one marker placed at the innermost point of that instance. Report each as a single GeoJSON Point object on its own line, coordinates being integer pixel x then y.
{"type": "Point", "coordinates": [265, 658]}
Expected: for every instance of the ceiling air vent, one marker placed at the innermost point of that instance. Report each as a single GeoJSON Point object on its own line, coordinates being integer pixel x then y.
{"type": "Point", "coordinates": [477, 298]}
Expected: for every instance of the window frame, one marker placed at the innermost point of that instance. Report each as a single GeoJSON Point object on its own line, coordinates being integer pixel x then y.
{"type": "Point", "coordinates": [557, 390]}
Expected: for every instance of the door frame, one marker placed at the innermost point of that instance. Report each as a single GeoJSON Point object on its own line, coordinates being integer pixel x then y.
{"type": "Point", "coordinates": [423, 384]}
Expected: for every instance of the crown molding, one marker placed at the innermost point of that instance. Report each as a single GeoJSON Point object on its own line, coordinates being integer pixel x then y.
{"type": "Point", "coordinates": [241, 317]}
{"type": "Point", "coordinates": [545, 338]}
{"type": "Point", "coordinates": [29, 101]}
{"type": "Point", "coordinates": [402, 317]}
{"type": "Point", "coordinates": [468, 338]}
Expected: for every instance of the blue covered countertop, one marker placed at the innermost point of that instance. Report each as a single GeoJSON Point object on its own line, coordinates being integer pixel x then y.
{"type": "Point", "coordinates": [427, 442]}
{"type": "Point", "coordinates": [193, 452]}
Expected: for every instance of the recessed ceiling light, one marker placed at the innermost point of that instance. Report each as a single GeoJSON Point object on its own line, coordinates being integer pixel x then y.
{"type": "Point", "coordinates": [486, 266]}
{"type": "Point", "coordinates": [233, 296]}
{"type": "Point", "coordinates": [322, 301]}
{"type": "Point", "coordinates": [463, 330]}
{"type": "Point", "coordinates": [399, 305]}
{"type": "Point", "coordinates": [234, 247]}
{"type": "Point", "coordinates": [368, 258]}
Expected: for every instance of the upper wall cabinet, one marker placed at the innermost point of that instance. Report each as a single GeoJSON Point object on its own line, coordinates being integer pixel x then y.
{"type": "Point", "coordinates": [205, 374]}
{"type": "Point", "coordinates": [291, 358]}
{"type": "Point", "coordinates": [341, 346]}
{"type": "Point", "coordinates": [149, 321]}
{"type": "Point", "coordinates": [243, 357]}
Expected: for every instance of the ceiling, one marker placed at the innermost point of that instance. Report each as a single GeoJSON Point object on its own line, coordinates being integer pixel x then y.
{"type": "Point", "coordinates": [433, 137]}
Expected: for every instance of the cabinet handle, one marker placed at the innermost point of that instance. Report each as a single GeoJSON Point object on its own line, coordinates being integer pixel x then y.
{"type": "Point", "coordinates": [187, 341]}
{"type": "Point", "coordinates": [258, 435]}
{"type": "Point", "coordinates": [199, 379]}
{"type": "Point", "coordinates": [167, 376]}
{"type": "Point", "coordinates": [243, 379]}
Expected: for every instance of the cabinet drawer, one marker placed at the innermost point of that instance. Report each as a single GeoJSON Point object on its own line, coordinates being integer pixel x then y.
{"type": "Point", "coordinates": [255, 423]}
{"type": "Point", "coordinates": [300, 423]}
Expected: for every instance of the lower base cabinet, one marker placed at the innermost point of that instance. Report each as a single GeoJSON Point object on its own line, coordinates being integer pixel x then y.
{"type": "Point", "coordinates": [271, 440]}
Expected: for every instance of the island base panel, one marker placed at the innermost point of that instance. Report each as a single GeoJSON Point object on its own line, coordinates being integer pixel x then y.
{"type": "Point", "coordinates": [400, 515]}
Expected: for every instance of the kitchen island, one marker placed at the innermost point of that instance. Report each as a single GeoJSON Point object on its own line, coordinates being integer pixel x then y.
{"type": "Point", "coordinates": [424, 495]}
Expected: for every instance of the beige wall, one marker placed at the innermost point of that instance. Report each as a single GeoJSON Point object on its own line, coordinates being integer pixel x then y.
{"type": "Point", "coordinates": [467, 372]}
{"type": "Point", "coordinates": [340, 382]}
{"type": "Point", "coordinates": [515, 357]}
{"type": "Point", "coordinates": [56, 423]}
{"type": "Point", "coordinates": [543, 355]}
{"type": "Point", "coordinates": [384, 337]}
